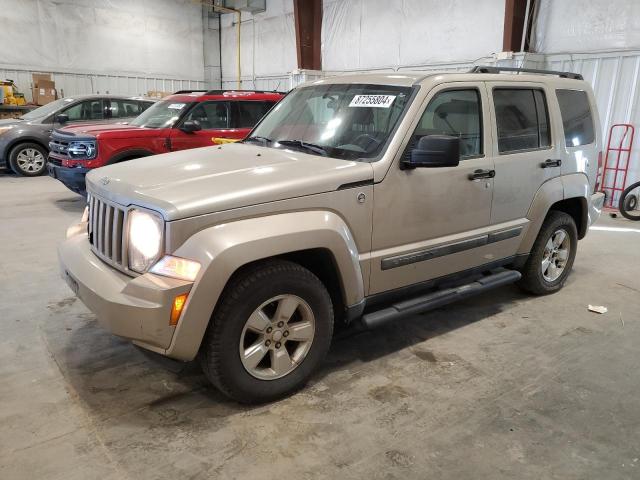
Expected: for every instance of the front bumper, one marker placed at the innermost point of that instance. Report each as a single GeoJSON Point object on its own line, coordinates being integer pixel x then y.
{"type": "Point", "coordinates": [595, 207]}
{"type": "Point", "coordinates": [137, 309]}
{"type": "Point", "coordinates": [72, 178]}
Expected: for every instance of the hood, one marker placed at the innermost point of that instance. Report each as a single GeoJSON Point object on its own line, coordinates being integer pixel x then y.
{"type": "Point", "coordinates": [94, 129]}
{"type": "Point", "coordinates": [212, 179]}
{"type": "Point", "coordinates": [10, 121]}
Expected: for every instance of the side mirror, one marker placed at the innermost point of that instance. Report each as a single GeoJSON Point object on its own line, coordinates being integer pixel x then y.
{"type": "Point", "coordinates": [62, 118]}
{"type": "Point", "coordinates": [435, 151]}
{"type": "Point", "coordinates": [191, 126]}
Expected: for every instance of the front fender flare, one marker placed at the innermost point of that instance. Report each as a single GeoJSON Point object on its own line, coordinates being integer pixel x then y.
{"type": "Point", "coordinates": [223, 249]}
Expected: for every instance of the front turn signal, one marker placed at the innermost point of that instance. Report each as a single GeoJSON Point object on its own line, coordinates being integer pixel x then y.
{"type": "Point", "coordinates": [177, 307]}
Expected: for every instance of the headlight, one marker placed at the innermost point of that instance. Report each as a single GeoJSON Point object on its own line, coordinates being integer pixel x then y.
{"type": "Point", "coordinates": [5, 129]}
{"type": "Point", "coordinates": [145, 240]}
{"type": "Point", "coordinates": [85, 150]}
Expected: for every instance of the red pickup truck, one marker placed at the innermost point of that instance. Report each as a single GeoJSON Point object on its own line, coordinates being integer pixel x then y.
{"type": "Point", "coordinates": [187, 119]}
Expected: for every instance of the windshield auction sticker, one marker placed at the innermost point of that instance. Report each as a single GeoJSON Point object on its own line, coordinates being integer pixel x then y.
{"type": "Point", "coordinates": [378, 101]}
{"type": "Point", "coordinates": [177, 106]}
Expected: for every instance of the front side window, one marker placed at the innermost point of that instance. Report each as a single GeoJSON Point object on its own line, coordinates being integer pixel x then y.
{"type": "Point", "coordinates": [576, 117]}
{"type": "Point", "coordinates": [161, 114]}
{"type": "Point", "coordinates": [87, 110]}
{"type": "Point", "coordinates": [456, 113]}
{"type": "Point", "coordinates": [522, 119]}
{"type": "Point", "coordinates": [210, 115]}
{"type": "Point", "coordinates": [345, 121]}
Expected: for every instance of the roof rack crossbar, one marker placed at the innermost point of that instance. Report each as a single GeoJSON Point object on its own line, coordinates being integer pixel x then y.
{"type": "Point", "coordinates": [492, 69]}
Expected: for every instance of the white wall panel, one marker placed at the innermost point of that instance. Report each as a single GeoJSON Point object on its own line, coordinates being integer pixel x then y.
{"type": "Point", "coordinates": [268, 46]}
{"type": "Point", "coordinates": [369, 34]}
{"type": "Point", "coordinates": [154, 38]}
{"type": "Point", "coordinates": [78, 84]}
{"type": "Point", "coordinates": [587, 25]}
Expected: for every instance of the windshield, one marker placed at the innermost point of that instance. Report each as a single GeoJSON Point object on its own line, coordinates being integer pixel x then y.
{"type": "Point", "coordinates": [347, 121]}
{"type": "Point", "coordinates": [47, 109]}
{"type": "Point", "coordinates": [160, 115]}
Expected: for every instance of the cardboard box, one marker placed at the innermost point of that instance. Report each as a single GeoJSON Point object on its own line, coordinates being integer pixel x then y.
{"type": "Point", "coordinates": [38, 77]}
{"type": "Point", "coordinates": [44, 89]}
{"type": "Point", "coordinates": [42, 96]}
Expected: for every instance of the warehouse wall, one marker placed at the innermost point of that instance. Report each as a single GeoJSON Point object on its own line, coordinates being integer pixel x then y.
{"type": "Point", "coordinates": [362, 35]}
{"type": "Point", "coordinates": [587, 26]}
{"type": "Point", "coordinates": [122, 45]}
{"type": "Point", "coordinates": [371, 34]}
{"type": "Point", "coordinates": [268, 47]}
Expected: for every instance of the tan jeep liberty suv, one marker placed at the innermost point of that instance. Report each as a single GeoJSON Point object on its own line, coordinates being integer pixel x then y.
{"type": "Point", "coordinates": [356, 200]}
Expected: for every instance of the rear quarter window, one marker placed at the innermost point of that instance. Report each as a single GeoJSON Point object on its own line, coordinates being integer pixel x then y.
{"type": "Point", "coordinates": [577, 120]}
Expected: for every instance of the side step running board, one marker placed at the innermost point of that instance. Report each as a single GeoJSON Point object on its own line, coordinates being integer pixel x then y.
{"type": "Point", "coordinates": [497, 278]}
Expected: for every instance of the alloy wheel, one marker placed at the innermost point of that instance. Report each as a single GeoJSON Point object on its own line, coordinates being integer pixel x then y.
{"type": "Point", "coordinates": [555, 255]}
{"type": "Point", "coordinates": [30, 160]}
{"type": "Point", "coordinates": [277, 337]}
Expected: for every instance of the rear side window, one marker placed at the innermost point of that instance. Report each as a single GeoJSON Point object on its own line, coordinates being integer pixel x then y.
{"type": "Point", "coordinates": [250, 113]}
{"type": "Point", "coordinates": [576, 117]}
{"type": "Point", "coordinates": [522, 119]}
{"type": "Point", "coordinates": [456, 113]}
{"type": "Point", "coordinates": [125, 108]}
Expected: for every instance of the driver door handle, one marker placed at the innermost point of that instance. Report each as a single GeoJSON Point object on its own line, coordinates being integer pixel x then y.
{"type": "Point", "coordinates": [551, 162]}
{"type": "Point", "coordinates": [482, 173]}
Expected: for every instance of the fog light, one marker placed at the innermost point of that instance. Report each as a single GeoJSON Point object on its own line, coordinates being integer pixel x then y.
{"type": "Point", "coordinates": [177, 307]}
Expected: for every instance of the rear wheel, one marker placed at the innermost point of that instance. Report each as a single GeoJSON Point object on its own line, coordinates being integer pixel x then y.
{"type": "Point", "coordinates": [28, 159]}
{"type": "Point", "coordinates": [552, 255]}
{"type": "Point", "coordinates": [271, 330]}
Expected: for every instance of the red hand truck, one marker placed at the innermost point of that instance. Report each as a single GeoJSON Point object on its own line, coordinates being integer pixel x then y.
{"type": "Point", "coordinates": [611, 184]}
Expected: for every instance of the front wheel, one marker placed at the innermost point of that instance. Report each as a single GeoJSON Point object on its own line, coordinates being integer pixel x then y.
{"type": "Point", "coordinates": [28, 159]}
{"type": "Point", "coordinates": [629, 202]}
{"type": "Point", "coordinates": [271, 330]}
{"type": "Point", "coordinates": [552, 255]}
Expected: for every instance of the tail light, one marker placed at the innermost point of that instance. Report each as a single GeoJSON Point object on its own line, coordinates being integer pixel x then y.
{"type": "Point", "coordinates": [599, 174]}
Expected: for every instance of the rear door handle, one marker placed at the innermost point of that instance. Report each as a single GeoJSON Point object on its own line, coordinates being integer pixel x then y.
{"type": "Point", "coordinates": [480, 173]}
{"type": "Point", "coordinates": [551, 162]}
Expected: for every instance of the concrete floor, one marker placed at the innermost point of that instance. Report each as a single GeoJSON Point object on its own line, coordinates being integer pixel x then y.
{"type": "Point", "coordinates": [503, 386]}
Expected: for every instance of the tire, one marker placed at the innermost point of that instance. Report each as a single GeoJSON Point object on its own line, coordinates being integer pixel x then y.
{"type": "Point", "coordinates": [260, 292]}
{"type": "Point", "coordinates": [540, 278]}
{"type": "Point", "coordinates": [28, 159]}
{"type": "Point", "coordinates": [628, 203]}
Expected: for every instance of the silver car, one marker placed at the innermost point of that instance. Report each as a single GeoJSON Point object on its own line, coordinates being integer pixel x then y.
{"type": "Point", "coordinates": [24, 141]}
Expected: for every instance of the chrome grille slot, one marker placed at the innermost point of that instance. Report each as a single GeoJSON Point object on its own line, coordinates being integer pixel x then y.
{"type": "Point", "coordinates": [106, 231]}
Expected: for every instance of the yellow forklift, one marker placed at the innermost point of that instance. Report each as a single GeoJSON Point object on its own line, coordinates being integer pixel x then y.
{"type": "Point", "coordinates": [9, 94]}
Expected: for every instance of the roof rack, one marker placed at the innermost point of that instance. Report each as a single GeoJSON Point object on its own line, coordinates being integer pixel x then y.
{"type": "Point", "coordinates": [220, 92]}
{"type": "Point", "coordinates": [491, 69]}
{"type": "Point", "coordinates": [188, 91]}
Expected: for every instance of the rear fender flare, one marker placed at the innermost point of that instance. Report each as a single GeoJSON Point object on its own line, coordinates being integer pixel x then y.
{"type": "Point", "coordinates": [223, 249]}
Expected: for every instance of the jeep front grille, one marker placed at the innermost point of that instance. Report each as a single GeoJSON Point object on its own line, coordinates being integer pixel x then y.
{"type": "Point", "coordinates": [107, 231]}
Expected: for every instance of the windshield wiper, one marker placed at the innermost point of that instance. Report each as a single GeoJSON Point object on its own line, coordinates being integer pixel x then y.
{"type": "Point", "coordinates": [304, 145]}
{"type": "Point", "coordinates": [256, 138]}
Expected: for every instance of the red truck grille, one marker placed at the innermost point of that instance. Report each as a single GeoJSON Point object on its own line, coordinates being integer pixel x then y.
{"type": "Point", "coordinates": [107, 231]}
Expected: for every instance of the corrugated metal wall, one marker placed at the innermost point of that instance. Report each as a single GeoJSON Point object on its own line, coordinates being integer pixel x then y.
{"type": "Point", "coordinates": [79, 83]}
